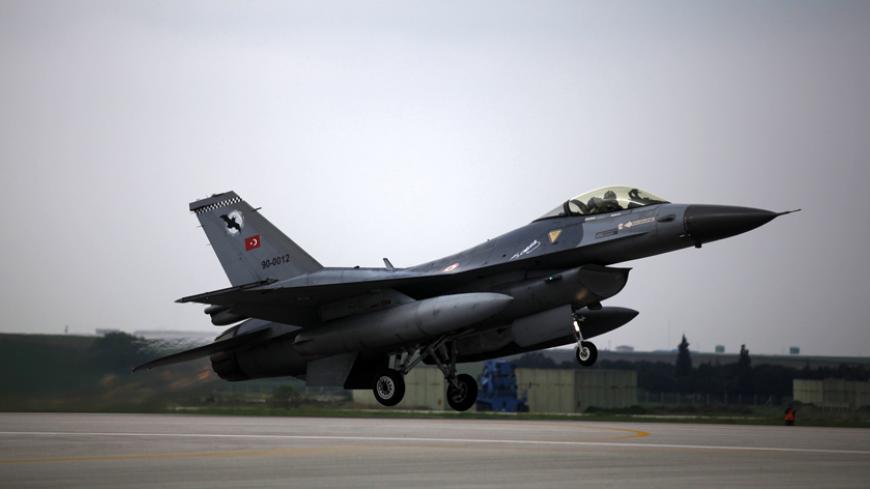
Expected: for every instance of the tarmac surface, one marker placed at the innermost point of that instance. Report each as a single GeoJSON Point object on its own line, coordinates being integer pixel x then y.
{"type": "Point", "coordinates": [186, 451]}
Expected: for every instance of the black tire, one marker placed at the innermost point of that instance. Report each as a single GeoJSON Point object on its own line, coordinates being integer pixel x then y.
{"type": "Point", "coordinates": [587, 356]}
{"type": "Point", "coordinates": [389, 387]}
{"type": "Point", "coordinates": [465, 396]}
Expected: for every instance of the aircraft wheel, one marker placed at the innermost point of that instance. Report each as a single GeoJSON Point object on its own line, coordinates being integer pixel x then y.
{"type": "Point", "coordinates": [463, 397]}
{"type": "Point", "coordinates": [389, 387]}
{"type": "Point", "coordinates": [586, 353]}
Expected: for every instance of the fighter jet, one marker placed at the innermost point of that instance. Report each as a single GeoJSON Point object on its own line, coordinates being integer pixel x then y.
{"type": "Point", "coordinates": [536, 287]}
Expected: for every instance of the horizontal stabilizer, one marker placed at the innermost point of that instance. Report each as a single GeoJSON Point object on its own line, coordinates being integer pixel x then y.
{"type": "Point", "coordinates": [233, 343]}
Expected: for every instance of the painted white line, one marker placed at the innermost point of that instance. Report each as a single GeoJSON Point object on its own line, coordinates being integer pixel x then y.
{"type": "Point", "coordinates": [445, 440]}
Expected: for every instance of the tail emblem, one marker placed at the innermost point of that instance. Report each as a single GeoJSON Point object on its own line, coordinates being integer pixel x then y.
{"type": "Point", "coordinates": [234, 222]}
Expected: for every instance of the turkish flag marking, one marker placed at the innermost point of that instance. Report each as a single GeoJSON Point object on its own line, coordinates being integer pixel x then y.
{"type": "Point", "coordinates": [252, 242]}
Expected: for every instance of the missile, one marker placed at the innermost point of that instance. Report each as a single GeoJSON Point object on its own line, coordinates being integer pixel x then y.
{"type": "Point", "coordinates": [404, 324]}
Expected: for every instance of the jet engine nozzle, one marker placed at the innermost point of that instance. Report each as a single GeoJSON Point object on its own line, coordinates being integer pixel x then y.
{"type": "Point", "coordinates": [705, 223]}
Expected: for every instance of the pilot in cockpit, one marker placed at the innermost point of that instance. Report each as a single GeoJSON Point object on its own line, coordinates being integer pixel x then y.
{"type": "Point", "coordinates": [604, 201]}
{"type": "Point", "coordinates": [606, 204]}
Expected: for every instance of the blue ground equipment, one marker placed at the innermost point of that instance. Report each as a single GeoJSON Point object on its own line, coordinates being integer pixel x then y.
{"type": "Point", "coordinates": [498, 389]}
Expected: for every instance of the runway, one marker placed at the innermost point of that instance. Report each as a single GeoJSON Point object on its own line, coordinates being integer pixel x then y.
{"type": "Point", "coordinates": [185, 451]}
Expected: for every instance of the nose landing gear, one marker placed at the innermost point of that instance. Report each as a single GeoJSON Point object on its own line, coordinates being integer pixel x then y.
{"type": "Point", "coordinates": [585, 352]}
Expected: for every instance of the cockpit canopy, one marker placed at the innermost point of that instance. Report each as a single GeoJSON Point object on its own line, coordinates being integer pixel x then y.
{"type": "Point", "coordinates": [604, 200]}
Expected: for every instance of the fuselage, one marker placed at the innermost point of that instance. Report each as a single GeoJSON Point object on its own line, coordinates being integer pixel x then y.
{"type": "Point", "coordinates": [564, 242]}
{"type": "Point", "coordinates": [530, 281]}
{"type": "Point", "coordinates": [548, 245]}
{"type": "Point", "coordinates": [538, 286]}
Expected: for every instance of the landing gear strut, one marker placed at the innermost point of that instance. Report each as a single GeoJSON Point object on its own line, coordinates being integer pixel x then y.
{"type": "Point", "coordinates": [585, 352]}
{"type": "Point", "coordinates": [462, 388]}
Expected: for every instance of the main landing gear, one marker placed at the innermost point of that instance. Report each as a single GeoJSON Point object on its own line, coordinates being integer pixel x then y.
{"type": "Point", "coordinates": [462, 392]}
{"type": "Point", "coordinates": [585, 352]}
{"type": "Point", "coordinates": [389, 384]}
{"type": "Point", "coordinates": [462, 388]}
{"type": "Point", "coordinates": [389, 388]}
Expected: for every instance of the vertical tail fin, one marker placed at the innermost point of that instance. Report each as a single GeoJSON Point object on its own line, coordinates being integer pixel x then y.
{"type": "Point", "coordinates": [248, 246]}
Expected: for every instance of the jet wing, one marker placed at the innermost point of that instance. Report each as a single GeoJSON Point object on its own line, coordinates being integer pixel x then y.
{"type": "Point", "coordinates": [230, 344]}
{"type": "Point", "coordinates": [334, 288]}
{"type": "Point", "coordinates": [307, 295]}
{"type": "Point", "coordinates": [299, 304]}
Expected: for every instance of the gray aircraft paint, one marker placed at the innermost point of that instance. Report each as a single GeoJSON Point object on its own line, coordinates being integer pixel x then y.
{"type": "Point", "coordinates": [405, 324]}
{"type": "Point", "coordinates": [516, 292]}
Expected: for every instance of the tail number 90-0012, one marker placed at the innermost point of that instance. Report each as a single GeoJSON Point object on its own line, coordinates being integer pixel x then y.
{"type": "Point", "coordinates": [278, 260]}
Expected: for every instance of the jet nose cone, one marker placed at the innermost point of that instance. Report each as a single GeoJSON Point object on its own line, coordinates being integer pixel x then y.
{"type": "Point", "coordinates": [705, 223]}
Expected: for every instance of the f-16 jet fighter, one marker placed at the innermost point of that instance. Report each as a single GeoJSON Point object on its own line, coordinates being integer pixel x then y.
{"type": "Point", "coordinates": [538, 286]}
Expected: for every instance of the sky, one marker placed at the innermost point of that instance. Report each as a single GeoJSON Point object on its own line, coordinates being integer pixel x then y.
{"type": "Point", "coordinates": [413, 130]}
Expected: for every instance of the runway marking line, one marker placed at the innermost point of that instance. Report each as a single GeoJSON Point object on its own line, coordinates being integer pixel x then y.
{"type": "Point", "coordinates": [174, 455]}
{"type": "Point", "coordinates": [630, 433]}
{"type": "Point", "coordinates": [411, 439]}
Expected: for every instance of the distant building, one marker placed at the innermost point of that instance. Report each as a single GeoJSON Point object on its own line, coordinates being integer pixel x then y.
{"type": "Point", "coordinates": [624, 348]}
{"type": "Point", "coordinates": [834, 393]}
{"type": "Point", "coordinates": [169, 334]}
{"type": "Point", "coordinates": [560, 355]}
{"type": "Point", "coordinates": [162, 334]}
{"type": "Point", "coordinates": [794, 350]}
{"type": "Point", "coordinates": [720, 349]}
{"type": "Point", "coordinates": [105, 331]}
{"type": "Point", "coordinates": [576, 390]}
